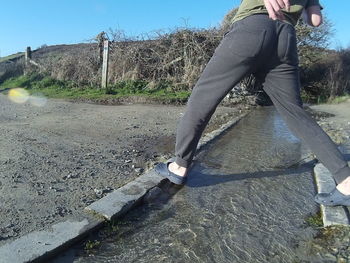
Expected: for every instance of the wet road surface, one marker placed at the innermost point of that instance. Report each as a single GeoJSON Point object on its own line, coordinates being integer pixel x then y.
{"type": "Point", "coordinates": [246, 200]}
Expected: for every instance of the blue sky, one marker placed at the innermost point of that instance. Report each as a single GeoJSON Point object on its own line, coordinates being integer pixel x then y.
{"type": "Point", "coordinates": [34, 23]}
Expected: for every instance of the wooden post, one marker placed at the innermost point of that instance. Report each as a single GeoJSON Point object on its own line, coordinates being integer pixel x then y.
{"type": "Point", "coordinates": [27, 58]}
{"type": "Point", "coordinates": [28, 54]}
{"type": "Point", "coordinates": [101, 37]}
{"type": "Point", "coordinates": [105, 64]}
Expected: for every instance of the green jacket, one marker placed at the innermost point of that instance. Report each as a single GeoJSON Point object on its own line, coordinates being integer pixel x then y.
{"type": "Point", "coordinates": [250, 7]}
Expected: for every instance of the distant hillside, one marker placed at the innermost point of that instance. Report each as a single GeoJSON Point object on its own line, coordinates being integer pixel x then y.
{"type": "Point", "coordinates": [11, 57]}
{"type": "Point", "coordinates": [12, 65]}
{"type": "Point", "coordinates": [177, 57]}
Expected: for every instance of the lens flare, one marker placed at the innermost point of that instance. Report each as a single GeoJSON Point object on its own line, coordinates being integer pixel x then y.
{"type": "Point", "coordinates": [38, 100]}
{"type": "Point", "coordinates": [18, 95]}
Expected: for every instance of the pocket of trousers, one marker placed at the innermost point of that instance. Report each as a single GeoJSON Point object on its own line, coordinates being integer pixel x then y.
{"type": "Point", "coordinates": [242, 42]}
{"type": "Point", "coordinates": [291, 52]}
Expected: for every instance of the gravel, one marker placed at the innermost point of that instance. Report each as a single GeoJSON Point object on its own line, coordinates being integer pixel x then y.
{"type": "Point", "coordinates": [59, 158]}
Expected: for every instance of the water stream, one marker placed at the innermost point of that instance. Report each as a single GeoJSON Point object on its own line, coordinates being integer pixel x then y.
{"type": "Point", "coordinates": [246, 200]}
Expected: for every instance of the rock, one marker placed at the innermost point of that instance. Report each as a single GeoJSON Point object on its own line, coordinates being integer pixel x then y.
{"type": "Point", "coordinates": [334, 250]}
{"type": "Point", "coordinates": [107, 189]}
{"type": "Point", "coordinates": [72, 176]}
{"type": "Point", "coordinates": [341, 260]}
{"type": "Point", "coordinates": [5, 162]}
{"type": "Point", "coordinates": [138, 170]}
{"type": "Point", "coordinates": [98, 192]}
{"type": "Point", "coordinates": [330, 257]}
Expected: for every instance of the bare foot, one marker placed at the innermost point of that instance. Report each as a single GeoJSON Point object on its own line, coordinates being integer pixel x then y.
{"type": "Point", "coordinates": [344, 186]}
{"type": "Point", "coordinates": [177, 169]}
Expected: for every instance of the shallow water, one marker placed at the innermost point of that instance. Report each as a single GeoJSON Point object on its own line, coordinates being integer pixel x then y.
{"type": "Point", "coordinates": [246, 200]}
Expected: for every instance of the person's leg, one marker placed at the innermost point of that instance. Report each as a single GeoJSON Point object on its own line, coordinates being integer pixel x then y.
{"type": "Point", "coordinates": [283, 87]}
{"type": "Point", "coordinates": [234, 58]}
{"type": "Point", "coordinates": [281, 82]}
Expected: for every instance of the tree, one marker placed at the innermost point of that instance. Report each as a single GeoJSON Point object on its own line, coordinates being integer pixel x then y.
{"type": "Point", "coordinates": [313, 41]}
{"type": "Point", "coordinates": [227, 21]}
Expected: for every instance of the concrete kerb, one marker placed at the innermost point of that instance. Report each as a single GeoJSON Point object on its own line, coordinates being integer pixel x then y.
{"type": "Point", "coordinates": [123, 199]}
{"type": "Point", "coordinates": [38, 246]}
{"type": "Point", "coordinates": [337, 215]}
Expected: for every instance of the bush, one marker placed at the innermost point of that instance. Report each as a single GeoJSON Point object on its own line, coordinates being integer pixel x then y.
{"type": "Point", "coordinates": [11, 69]}
{"type": "Point", "coordinates": [328, 78]}
{"type": "Point", "coordinates": [172, 61]}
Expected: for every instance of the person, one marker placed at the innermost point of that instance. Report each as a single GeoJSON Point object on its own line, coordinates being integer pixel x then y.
{"type": "Point", "coordinates": [261, 41]}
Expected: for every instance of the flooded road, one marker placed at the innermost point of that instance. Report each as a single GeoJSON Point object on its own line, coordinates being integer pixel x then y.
{"type": "Point", "coordinates": [246, 200]}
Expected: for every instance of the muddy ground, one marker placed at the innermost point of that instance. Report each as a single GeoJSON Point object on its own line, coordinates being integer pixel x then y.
{"type": "Point", "coordinates": [58, 158]}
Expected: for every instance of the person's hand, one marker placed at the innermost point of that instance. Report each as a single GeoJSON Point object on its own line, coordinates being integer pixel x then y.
{"type": "Point", "coordinates": [274, 8]}
{"type": "Point", "coordinates": [314, 15]}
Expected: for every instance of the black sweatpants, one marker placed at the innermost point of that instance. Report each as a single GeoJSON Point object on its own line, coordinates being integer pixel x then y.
{"type": "Point", "coordinates": [266, 48]}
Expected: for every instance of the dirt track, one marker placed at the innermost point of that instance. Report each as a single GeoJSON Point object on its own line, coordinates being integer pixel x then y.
{"type": "Point", "coordinates": [56, 159]}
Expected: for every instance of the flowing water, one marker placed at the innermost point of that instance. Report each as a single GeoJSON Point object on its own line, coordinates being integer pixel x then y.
{"type": "Point", "coordinates": [246, 200]}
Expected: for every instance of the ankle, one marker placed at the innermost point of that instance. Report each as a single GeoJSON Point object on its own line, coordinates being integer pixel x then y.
{"type": "Point", "coordinates": [177, 169]}
{"type": "Point", "coordinates": [344, 187]}
{"type": "Point", "coordinates": [179, 166]}
{"type": "Point", "coordinates": [345, 182]}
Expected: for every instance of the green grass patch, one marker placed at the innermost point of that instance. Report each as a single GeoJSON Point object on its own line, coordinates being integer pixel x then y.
{"type": "Point", "coordinates": [339, 99]}
{"type": "Point", "coordinates": [322, 99]}
{"type": "Point", "coordinates": [91, 245]}
{"type": "Point", "coordinates": [162, 89]}
{"type": "Point", "coordinates": [52, 88]}
{"type": "Point", "coordinates": [315, 220]}
{"type": "Point", "coordinates": [115, 225]}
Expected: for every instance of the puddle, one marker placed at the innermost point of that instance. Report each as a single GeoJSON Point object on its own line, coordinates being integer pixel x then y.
{"type": "Point", "coordinates": [246, 200]}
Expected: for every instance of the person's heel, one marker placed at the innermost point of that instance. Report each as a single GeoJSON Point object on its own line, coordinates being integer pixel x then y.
{"type": "Point", "coordinates": [163, 170]}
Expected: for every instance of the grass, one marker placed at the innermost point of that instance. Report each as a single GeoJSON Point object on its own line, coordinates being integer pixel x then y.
{"type": "Point", "coordinates": [115, 225]}
{"type": "Point", "coordinates": [159, 91]}
{"type": "Point", "coordinates": [52, 88]}
{"type": "Point", "coordinates": [315, 220]}
{"type": "Point", "coordinates": [332, 100]}
{"type": "Point", "coordinates": [321, 99]}
{"type": "Point", "coordinates": [91, 245]}
{"type": "Point", "coordinates": [339, 99]}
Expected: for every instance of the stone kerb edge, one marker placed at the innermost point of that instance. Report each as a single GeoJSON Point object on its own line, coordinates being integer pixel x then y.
{"type": "Point", "coordinates": [325, 183]}
{"type": "Point", "coordinates": [123, 199]}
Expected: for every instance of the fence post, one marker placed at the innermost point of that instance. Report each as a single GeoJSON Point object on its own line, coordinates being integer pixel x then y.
{"type": "Point", "coordinates": [28, 54]}
{"type": "Point", "coordinates": [27, 57]}
{"type": "Point", "coordinates": [105, 64]}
